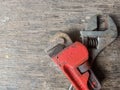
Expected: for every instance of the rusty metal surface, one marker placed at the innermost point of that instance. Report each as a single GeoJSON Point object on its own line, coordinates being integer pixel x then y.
{"type": "Point", "coordinates": [101, 31]}
{"type": "Point", "coordinates": [27, 25]}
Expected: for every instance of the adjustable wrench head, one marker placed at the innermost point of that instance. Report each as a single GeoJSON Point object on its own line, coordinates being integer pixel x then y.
{"type": "Point", "coordinates": [100, 32]}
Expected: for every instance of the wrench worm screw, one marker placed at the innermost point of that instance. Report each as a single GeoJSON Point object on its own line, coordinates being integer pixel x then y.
{"type": "Point", "coordinates": [90, 42]}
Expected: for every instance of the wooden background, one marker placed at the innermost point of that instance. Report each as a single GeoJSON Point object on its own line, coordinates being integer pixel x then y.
{"type": "Point", "coordinates": [27, 25]}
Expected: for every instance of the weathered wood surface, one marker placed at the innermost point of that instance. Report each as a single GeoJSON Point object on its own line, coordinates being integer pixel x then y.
{"type": "Point", "coordinates": [26, 26]}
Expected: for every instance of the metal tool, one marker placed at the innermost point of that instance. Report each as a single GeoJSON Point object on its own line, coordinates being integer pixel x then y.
{"type": "Point", "coordinates": [100, 32]}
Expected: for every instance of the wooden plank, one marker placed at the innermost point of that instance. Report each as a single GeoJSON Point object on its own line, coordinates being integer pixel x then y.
{"type": "Point", "coordinates": [26, 26]}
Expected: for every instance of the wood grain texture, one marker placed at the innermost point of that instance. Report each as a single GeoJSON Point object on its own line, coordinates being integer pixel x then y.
{"type": "Point", "coordinates": [27, 25]}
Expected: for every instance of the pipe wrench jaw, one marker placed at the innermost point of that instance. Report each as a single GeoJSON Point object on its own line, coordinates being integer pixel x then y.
{"type": "Point", "coordinates": [100, 32]}
{"type": "Point", "coordinates": [59, 41]}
